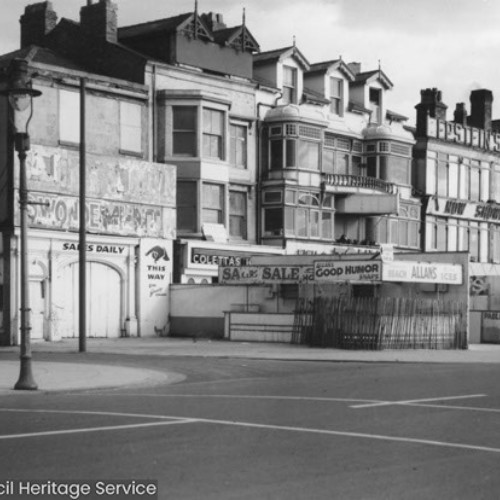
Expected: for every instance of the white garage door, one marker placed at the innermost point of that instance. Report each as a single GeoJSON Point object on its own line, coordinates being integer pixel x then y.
{"type": "Point", "coordinates": [103, 301]}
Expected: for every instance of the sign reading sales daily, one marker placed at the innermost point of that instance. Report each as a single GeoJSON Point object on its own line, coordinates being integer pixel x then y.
{"type": "Point", "coordinates": [344, 270]}
{"type": "Point", "coordinates": [422, 272]}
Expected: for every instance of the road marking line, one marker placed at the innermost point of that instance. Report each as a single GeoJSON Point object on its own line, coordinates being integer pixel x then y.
{"type": "Point", "coordinates": [85, 412]}
{"type": "Point", "coordinates": [182, 420]}
{"type": "Point", "coordinates": [452, 407]}
{"type": "Point", "coordinates": [442, 444]}
{"type": "Point", "coordinates": [416, 401]}
{"type": "Point", "coordinates": [239, 396]}
{"type": "Point", "coordinates": [95, 429]}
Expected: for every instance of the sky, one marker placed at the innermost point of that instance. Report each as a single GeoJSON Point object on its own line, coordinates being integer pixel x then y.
{"type": "Point", "coordinates": [452, 45]}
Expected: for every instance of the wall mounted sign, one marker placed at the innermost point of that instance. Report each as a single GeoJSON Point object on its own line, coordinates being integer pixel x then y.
{"type": "Point", "coordinates": [463, 209]}
{"type": "Point", "coordinates": [345, 270]}
{"type": "Point", "coordinates": [265, 274]}
{"type": "Point", "coordinates": [422, 272]}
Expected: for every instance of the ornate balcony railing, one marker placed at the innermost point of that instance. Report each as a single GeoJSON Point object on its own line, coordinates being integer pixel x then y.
{"type": "Point", "coordinates": [358, 181]}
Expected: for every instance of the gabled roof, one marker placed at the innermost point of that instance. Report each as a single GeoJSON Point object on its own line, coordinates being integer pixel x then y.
{"type": "Point", "coordinates": [372, 76]}
{"type": "Point", "coordinates": [238, 37]}
{"type": "Point", "coordinates": [323, 67]}
{"type": "Point", "coordinates": [279, 55]}
{"type": "Point", "coordinates": [187, 23]}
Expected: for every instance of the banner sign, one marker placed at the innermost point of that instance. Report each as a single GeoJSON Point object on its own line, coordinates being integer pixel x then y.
{"type": "Point", "coordinates": [347, 270]}
{"type": "Point", "coordinates": [422, 272]}
{"type": "Point", "coordinates": [265, 274]}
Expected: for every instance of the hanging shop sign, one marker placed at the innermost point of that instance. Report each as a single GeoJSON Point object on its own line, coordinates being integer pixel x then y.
{"type": "Point", "coordinates": [265, 274]}
{"type": "Point", "coordinates": [347, 270]}
{"type": "Point", "coordinates": [422, 272]}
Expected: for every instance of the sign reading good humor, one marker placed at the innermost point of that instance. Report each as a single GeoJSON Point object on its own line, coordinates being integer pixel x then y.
{"type": "Point", "coordinates": [347, 270]}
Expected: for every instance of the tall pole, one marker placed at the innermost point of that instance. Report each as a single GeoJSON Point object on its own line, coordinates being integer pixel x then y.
{"type": "Point", "coordinates": [83, 238]}
{"type": "Point", "coordinates": [26, 381]}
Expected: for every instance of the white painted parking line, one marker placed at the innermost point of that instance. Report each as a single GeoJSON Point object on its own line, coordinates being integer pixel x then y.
{"type": "Point", "coordinates": [95, 429]}
{"type": "Point", "coordinates": [417, 401]}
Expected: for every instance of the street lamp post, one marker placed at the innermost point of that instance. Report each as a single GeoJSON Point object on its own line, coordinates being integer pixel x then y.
{"type": "Point", "coordinates": [20, 94]}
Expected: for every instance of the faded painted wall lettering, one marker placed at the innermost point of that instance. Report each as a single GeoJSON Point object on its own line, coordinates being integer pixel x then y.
{"type": "Point", "coordinates": [61, 212]}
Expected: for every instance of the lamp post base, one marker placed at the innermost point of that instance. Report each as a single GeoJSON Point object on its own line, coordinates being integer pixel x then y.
{"type": "Point", "coordinates": [26, 381]}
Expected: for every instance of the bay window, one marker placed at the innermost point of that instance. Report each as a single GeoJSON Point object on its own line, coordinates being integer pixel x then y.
{"type": "Point", "coordinates": [184, 122]}
{"type": "Point", "coordinates": [212, 204]}
{"type": "Point", "coordinates": [213, 133]}
{"type": "Point", "coordinates": [238, 214]}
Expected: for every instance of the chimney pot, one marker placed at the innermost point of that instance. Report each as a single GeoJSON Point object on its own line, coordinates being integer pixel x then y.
{"type": "Point", "coordinates": [481, 101]}
{"type": "Point", "coordinates": [38, 20]}
{"type": "Point", "coordinates": [100, 20]}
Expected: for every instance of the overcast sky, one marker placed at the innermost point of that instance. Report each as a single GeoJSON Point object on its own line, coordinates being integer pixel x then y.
{"type": "Point", "coordinates": [453, 45]}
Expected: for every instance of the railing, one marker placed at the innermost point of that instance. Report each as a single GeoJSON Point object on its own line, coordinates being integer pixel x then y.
{"type": "Point", "coordinates": [359, 181]}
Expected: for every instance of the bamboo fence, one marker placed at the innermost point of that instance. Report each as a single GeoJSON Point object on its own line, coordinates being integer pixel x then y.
{"type": "Point", "coordinates": [380, 323]}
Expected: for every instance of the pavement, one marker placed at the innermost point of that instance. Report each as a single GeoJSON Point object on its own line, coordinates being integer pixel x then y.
{"type": "Point", "coordinates": [56, 375]}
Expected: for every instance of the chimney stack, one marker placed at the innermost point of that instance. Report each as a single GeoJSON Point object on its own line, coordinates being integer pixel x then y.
{"type": "Point", "coordinates": [481, 102]}
{"type": "Point", "coordinates": [100, 20]}
{"type": "Point", "coordinates": [430, 105]}
{"type": "Point", "coordinates": [355, 67]}
{"type": "Point", "coordinates": [38, 20]}
{"type": "Point", "coordinates": [460, 114]}
{"type": "Point", "coordinates": [213, 21]}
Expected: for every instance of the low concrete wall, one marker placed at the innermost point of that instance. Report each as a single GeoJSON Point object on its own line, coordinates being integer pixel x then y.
{"type": "Point", "coordinates": [258, 327]}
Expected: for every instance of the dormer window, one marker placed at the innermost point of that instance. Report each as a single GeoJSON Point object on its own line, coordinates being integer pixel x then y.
{"type": "Point", "coordinates": [289, 85]}
{"type": "Point", "coordinates": [375, 105]}
{"type": "Point", "coordinates": [336, 94]}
